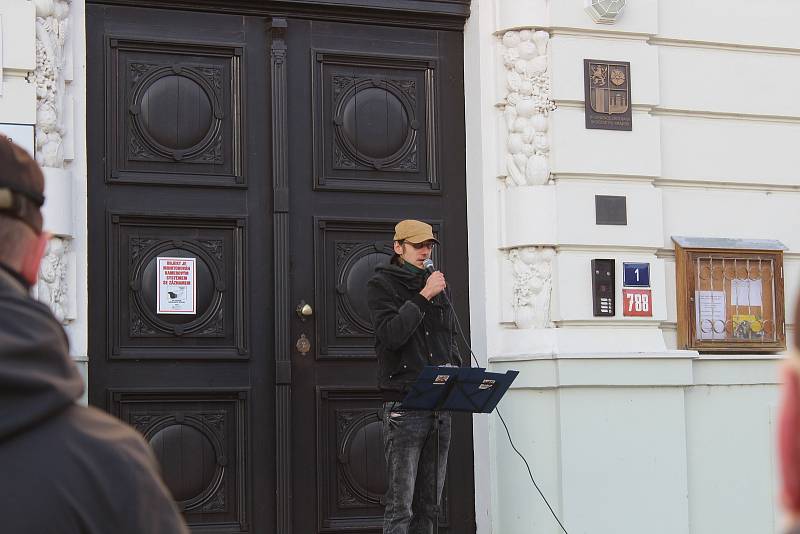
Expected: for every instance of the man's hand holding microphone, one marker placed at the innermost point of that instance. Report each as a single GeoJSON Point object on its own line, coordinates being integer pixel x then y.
{"type": "Point", "coordinates": [435, 283]}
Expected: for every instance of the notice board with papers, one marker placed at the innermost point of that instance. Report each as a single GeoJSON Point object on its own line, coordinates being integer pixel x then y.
{"type": "Point", "coordinates": [730, 299]}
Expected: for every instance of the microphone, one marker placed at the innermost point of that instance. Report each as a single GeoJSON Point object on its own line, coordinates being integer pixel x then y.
{"type": "Point", "coordinates": [427, 263]}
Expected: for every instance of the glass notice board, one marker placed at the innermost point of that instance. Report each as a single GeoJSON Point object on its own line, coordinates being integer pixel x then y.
{"type": "Point", "coordinates": [730, 300]}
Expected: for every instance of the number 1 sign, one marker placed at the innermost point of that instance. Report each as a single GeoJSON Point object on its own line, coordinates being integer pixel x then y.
{"type": "Point", "coordinates": [636, 274]}
{"type": "Point", "coordinates": [637, 303]}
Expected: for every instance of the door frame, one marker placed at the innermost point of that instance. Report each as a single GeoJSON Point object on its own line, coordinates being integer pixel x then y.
{"type": "Point", "coordinates": [428, 14]}
{"type": "Point", "coordinates": [277, 28]}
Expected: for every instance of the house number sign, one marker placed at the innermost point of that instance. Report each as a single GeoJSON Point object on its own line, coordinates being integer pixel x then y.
{"type": "Point", "coordinates": [636, 274]}
{"type": "Point", "coordinates": [637, 303]}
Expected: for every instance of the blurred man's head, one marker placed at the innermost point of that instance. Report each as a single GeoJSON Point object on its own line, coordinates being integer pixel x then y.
{"type": "Point", "coordinates": [22, 242]}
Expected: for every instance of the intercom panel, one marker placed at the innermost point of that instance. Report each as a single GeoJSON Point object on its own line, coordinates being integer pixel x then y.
{"type": "Point", "coordinates": [603, 287]}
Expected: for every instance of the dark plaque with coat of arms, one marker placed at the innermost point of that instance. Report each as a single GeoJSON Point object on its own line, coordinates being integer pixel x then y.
{"type": "Point", "coordinates": [608, 94]}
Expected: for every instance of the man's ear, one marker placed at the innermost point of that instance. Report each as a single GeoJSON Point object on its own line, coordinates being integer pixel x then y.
{"type": "Point", "coordinates": [33, 258]}
{"type": "Point", "coordinates": [398, 248]}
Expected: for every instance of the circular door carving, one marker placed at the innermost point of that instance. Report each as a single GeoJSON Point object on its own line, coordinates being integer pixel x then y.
{"type": "Point", "coordinates": [208, 282]}
{"type": "Point", "coordinates": [176, 112]}
{"type": "Point", "coordinates": [191, 458]}
{"type": "Point", "coordinates": [362, 457]}
{"type": "Point", "coordinates": [355, 269]}
{"type": "Point", "coordinates": [375, 123]}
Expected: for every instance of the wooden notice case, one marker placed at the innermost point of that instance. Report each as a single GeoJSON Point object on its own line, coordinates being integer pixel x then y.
{"type": "Point", "coordinates": [730, 295]}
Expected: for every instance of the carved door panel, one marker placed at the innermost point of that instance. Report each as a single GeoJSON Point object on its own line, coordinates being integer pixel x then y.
{"type": "Point", "coordinates": [385, 142]}
{"type": "Point", "coordinates": [176, 106]}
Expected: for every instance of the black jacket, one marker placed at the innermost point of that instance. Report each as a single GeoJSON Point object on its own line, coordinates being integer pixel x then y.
{"type": "Point", "coordinates": [66, 468]}
{"type": "Point", "coordinates": [410, 331]}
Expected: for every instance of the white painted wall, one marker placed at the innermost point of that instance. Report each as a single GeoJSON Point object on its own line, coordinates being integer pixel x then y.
{"type": "Point", "coordinates": [18, 99]}
{"type": "Point", "coordinates": [624, 432]}
{"type": "Point", "coordinates": [79, 328]}
{"type": "Point", "coordinates": [51, 34]}
{"type": "Point", "coordinates": [645, 443]}
{"type": "Point", "coordinates": [482, 219]}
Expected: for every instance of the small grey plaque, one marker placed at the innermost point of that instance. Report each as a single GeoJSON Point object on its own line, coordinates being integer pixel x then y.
{"type": "Point", "coordinates": [610, 210]}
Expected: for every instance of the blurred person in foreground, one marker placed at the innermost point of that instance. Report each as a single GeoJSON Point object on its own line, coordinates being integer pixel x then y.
{"type": "Point", "coordinates": [64, 468]}
{"type": "Point", "coordinates": [789, 435]}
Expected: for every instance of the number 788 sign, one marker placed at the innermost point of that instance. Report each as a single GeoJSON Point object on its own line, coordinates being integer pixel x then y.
{"type": "Point", "coordinates": [637, 303]}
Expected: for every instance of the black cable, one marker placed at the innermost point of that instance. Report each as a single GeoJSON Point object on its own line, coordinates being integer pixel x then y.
{"type": "Point", "coordinates": [530, 474]}
{"type": "Point", "coordinates": [511, 441]}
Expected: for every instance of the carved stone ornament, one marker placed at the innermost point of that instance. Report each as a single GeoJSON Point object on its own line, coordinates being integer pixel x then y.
{"type": "Point", "coordinates": [52, 28]}
{"type": "Point", "coordinates": [526, 106]}
{"type": "Point", "coordinates": [51, 33]}
{"type": "Point", "coordinates": [52, 287]}
{"type": "Point", "coordinates": [533, 283]}
{"type": "Point", "coordinates": [604, 11]}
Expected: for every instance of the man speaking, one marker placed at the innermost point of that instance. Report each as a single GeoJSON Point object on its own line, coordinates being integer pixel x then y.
{"type": "Point", "coordinates": [414, 327]}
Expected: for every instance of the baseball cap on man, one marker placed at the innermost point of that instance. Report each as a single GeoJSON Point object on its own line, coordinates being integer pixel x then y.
{"type": "Point", "coordinates": [21, 185]}
{"type": "Point", "coordinates": [413, 231]}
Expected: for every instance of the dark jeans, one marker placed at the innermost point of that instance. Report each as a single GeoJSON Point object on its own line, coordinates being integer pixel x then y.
{"type": "Point", "coordinates": [410, 444]}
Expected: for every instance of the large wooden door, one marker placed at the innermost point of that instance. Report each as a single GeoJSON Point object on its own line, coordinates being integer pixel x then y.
{"type": "Point", "coordinates": [276, 151]}
{"type": "Point", "coordinates": [178, 127]}
{"type": "Point", "coordinates": [374, 134]}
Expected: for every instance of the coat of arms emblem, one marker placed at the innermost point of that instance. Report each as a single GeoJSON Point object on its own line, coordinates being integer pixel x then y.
{"type": "Point", "coordinates": [608, 93]}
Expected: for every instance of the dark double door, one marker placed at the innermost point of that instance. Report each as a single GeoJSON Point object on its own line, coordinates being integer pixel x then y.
{"type": "Point", "coordinates": [272, 155]}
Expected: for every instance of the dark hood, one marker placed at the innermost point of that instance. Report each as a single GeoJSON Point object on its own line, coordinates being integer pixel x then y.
{"type": "Point", "coordinates": [412, 281]}
{"type": "Point", "coordinates": [407, 278]}
{"type": "Point", "coordinates": [38, 379]}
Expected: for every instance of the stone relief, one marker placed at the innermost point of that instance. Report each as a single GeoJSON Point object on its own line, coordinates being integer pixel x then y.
{"type": "Point", "coordinates": [52, 287]}
{"type": "Point", "coordinates": [51, 34]}
{"type": "Point", "coordinates": [526, 106]}
{"type": "Point", "coordinates": [533, 282]}
{"type": "Point", "coordinates": [52, 27]}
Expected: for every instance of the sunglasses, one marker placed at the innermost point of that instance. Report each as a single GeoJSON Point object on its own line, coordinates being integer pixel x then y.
{"type": "Point", "coordinates": [426, 244]}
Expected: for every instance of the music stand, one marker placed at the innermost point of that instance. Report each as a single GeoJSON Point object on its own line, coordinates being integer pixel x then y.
{"type": "Point", "coordinates": [455, 389]}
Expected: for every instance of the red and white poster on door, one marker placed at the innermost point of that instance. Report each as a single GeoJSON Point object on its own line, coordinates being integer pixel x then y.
{"type": "Point", "coordinates": [177, 290]}
{"type": "Point", "coordinates": [637, 302]}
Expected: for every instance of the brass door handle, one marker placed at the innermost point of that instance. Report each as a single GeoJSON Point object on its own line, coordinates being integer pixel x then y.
{"type": "Point", "coordinates": [304, 311]}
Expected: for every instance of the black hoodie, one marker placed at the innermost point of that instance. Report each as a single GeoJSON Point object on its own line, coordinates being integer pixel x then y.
{"type": "Point", "coordinates": [410, 331]}
{"type": "Point", "coordinates": [65, 468]}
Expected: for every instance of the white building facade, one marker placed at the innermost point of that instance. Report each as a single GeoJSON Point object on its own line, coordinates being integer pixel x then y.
{"type": "Point", "coordinates": [624, 432]}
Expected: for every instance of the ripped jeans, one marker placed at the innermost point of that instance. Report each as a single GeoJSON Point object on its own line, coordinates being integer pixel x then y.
{"type": "Point", "coordinates": [409, 440]}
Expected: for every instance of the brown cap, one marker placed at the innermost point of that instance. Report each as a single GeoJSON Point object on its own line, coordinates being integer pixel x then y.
{"type": "Point", "coordinates": [21, 185]}
{"type": "Point", "coordinates": [413, 231]}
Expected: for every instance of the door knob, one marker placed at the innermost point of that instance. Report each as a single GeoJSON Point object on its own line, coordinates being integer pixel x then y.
{"type": "Point", "coordinates": [304, 310]}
